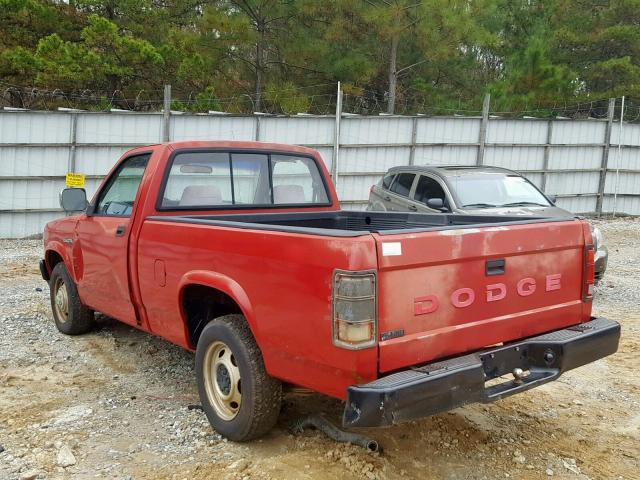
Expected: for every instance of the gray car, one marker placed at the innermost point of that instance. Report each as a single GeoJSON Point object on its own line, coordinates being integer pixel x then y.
{"type": "Point", "coordinates": [469, 190]}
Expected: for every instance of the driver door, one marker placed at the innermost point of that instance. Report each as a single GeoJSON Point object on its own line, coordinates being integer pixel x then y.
{"type": "Point", "coordinates": [103, 241]}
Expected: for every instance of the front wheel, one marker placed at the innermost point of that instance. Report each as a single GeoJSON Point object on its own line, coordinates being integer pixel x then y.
{"type": "Point", "coordinates": [70, 315]}
{"type": "Point", "coordinates": [240, 399]}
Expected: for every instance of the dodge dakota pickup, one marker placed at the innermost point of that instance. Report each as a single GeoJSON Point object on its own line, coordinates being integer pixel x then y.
{"type": "Point", "coordinates": [239, 251]}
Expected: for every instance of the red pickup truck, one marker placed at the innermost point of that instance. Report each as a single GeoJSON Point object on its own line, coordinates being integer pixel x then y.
{"type": "Point", "coordinates": [239, 251]}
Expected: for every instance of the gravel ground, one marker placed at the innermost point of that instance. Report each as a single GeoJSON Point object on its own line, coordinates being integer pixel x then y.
{"type": "Point", "coordinates": [116, 404]}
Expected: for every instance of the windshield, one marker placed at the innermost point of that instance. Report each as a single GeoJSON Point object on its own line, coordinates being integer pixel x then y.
{"type": "Point", "coordinates": [491, 190]}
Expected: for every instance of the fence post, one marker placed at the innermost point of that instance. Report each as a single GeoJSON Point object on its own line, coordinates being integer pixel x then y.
{"type": "Point", "coordinates": [483, 128]}
{"type": "Point", "coordinates": [256, 133]}
{"type": "Point", "coordinates": [618, 158]}
{"type": "Point", "coordinates": [71, 164]}
{"type": "Point", "coordinates": [605, 155]}
{"type": "Point", "coordinates": [166, 114]}
{"type": "Point", "coordinates": [336, 140]}
{"type": "Point", "coordinates": [547, 153]}
{"type": "Point", "coordinates": [414, 135]}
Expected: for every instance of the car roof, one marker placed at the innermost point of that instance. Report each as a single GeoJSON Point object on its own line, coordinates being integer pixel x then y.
{"type": "Point", "coordinates": [452, 170]}
{"type": "Point", "coordinates": [234, 144]}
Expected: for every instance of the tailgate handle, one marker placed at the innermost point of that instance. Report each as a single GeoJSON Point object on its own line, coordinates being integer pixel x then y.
{"type": "Point", "coordinates": [494, 267]}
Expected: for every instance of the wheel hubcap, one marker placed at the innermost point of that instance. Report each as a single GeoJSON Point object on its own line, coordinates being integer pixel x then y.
{"type": "Point", "coordinates": [222, 380]}
{"type": "Point", "coordinates": [61, 300]}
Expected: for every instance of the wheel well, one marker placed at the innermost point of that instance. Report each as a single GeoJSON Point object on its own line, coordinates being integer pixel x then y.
{"type": "Point", "coordinates": [53, 258]}
{"type": "Point", "coordinates": [201, 304]}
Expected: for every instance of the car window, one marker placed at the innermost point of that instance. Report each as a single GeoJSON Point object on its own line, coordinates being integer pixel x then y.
{"type": "Point", "coordinates": [198, 179]}
{"type": "Point", "coordinates": [489, 189]}
{"type": "Point", "coordinates": [118, 196]}
{"type": "Point", "coordinates": [402, 184]}
{"type": "Point", "coordinates": [427, 188]}
{"type": "Point", "coordinates": [250, 178]}
{"type": "Point", "coordinates": [388, 180]}
{"type": "Point", "coordinates": [296, 180]}
{"type": "Point", "coordinates": [203, 179]}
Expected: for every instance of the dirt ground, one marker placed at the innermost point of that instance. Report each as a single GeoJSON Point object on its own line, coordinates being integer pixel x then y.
{"type": "Point", "coordinates": [115, 404]}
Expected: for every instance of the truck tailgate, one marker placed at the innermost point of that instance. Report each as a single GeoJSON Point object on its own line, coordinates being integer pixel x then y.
{"type": "Point", "coordinates": [453, 290]}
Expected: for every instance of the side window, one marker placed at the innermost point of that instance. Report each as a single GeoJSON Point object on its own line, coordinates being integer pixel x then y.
{"type": "Point", "coordinates": [402, 185]}
{"type": "Point", "coordinates": [428, 188]}
{"type": "Point", "coordinates": [388, 180]}
{"type": "Point", "coordinates": [296, 180]}
{"type": "Point", "coordinates": [119, 194]}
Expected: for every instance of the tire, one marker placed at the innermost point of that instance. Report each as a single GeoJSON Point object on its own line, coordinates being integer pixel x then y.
{"type": "Point", "coordinates": [70, 315]}
{"type": "Point", "coordinates": [241, 401]}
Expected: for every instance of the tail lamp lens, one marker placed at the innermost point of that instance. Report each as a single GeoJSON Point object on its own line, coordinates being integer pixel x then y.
{"type": "Point", "coordinates": [354, 310]}
{"type": "Point", "coordinates": [589, 273]}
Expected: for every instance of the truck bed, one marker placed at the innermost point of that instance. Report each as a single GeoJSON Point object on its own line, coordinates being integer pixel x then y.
{"type": "Point", "coordinates": [446, 284]}
{"type": "Point", "coordinates": [353, 224]}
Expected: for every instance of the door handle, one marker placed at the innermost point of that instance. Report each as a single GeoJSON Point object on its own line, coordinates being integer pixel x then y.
{"type": "Point", "coordinates": [413, 208]}
{"type": "Point", "coordinates": [120, 230]}
{"type": "Point", "coordinates": [387, 198]}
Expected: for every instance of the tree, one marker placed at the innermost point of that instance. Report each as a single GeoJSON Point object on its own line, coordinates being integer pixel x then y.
{"type": "Point", "coordinates": [392, 20]}
{"type": "Point", "coordinates": [390, 55]}
{"type": "Point", "coordinates": [436, 35]}
{"type": "Point", "coordinates": [104, 59]}
{"type": "Point", "coordinates": [532, 79]}
{"type": "Point", "coordinates": [24, 22]}
{"type": "Point", "coordinates": [265, 21]}
{"type": "Point", "coordinates": [600, 41]}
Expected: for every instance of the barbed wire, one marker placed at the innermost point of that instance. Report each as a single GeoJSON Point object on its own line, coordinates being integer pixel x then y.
{"type": "Point", "coordinates": [311, 99]}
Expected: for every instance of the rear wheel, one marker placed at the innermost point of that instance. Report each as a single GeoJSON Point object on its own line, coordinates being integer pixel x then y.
{"type": "Point", "coordinates": [240, 399]}
{"type": "Point", "coordinates": [70, 315]}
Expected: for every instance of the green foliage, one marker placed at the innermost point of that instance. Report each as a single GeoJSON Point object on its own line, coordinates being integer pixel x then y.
{"type": "Point", "coordinates": [205, 101]}
{"type": "Point", "coordinates": [533, 80]}
{"type": "Point", "coordinates": [287, 98]}
{"type": "Point", "coordinates": [24, 22]}
{"type": "Point", "coordinates": [18, 63]}
{"type": "Point", "coordinates": [287, 55]}
{"type": "Point", "coordinates": [600, 41]}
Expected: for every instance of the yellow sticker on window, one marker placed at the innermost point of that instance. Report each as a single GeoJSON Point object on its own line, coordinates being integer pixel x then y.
{"type": "Point", "coordinates": [75, 180]}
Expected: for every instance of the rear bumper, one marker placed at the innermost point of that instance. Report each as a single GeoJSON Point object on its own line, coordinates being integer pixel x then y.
{"type": "Point", "coordinates": [43, 270]}
{"type": "Point", "coordinates": [441, 386]}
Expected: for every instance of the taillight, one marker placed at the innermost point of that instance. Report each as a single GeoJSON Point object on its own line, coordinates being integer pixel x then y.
{"type": "Point", "coordinates": [354, 309]}
{"type": "Point", "coordinates": [589, 273]}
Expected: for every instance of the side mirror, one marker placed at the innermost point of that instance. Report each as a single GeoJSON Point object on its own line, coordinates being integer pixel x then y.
{"type": "Point", "coordinates": [73, 200]}
{"type": "Point", "coordinates": [552, 198]}
{"type": "Point", "coordinates": [435, 203]}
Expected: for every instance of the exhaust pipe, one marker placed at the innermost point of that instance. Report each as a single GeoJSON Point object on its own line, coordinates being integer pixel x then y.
{"type": "Point", "coordinates": [333, 432]}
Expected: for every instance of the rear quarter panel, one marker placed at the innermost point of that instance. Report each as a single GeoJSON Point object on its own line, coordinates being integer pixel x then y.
{"type": "Point", "coordinates": [286, 279]}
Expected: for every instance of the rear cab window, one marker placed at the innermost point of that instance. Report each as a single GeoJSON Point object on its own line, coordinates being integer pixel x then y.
{"type": "Point", "coordinates": [296, 180]}
{"type": "Point", "coordinates": [215, 179]}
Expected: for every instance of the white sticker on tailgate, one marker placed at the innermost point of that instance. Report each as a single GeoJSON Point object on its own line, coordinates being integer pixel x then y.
{"type": "Point", "coordinates": [391, 249]}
